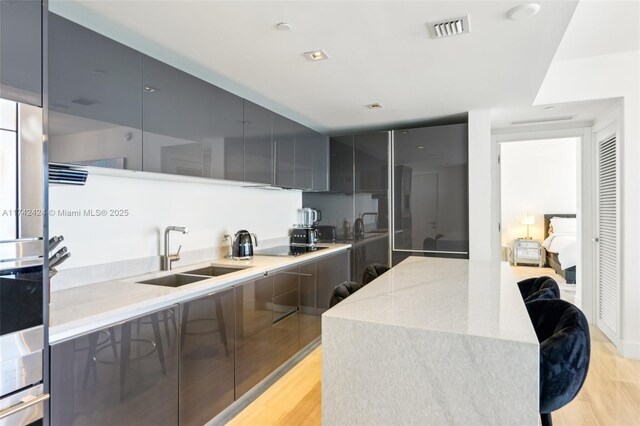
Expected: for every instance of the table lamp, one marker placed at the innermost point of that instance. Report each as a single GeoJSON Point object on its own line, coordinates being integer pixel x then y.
{"type": "Point", "coordinates": [528, 220]}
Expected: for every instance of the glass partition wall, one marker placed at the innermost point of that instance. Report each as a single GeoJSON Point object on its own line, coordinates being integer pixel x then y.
{"type": "Point", "coordinates": [430, 192]}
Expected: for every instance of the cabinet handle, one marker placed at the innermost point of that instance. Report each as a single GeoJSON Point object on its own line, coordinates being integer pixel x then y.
{"type": "Point", "coordinates": [23, 405]}
{"type": "Point", "coordinates": [286, 315]}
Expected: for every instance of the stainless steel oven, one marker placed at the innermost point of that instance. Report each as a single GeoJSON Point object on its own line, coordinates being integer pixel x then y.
{"type": "Point", "coordinates": [23, 284]}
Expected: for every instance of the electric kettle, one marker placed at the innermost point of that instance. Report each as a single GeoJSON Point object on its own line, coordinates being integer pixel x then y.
{"type": "Point", "coordinates": [242, 245]}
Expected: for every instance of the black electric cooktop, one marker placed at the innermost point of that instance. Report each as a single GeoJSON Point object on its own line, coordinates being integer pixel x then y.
{"type": "Point", "coordinates": [288, 250]}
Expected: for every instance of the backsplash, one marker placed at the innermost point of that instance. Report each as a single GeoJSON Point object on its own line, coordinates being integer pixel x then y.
{"type": "Point", "coordinates": [118, 222]}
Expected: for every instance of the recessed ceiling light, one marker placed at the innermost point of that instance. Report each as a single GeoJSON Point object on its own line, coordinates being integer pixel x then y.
{"type": "Point", "coordinates": [374, 106]}
{"type": "Point", "coordinates": [419, 147]}
{"type": "Point", "coordinates": [523, 11]}
{"type": "Point", "coordinates": [150, 89]}
{"type": "Point", "coordinates": [316, 55]}
{"type": "Point", "coordinates": [550, 107]}
{"type": "Point", "coordinates": [98, 72]}
{"type": "Point", "coordinates": [283, 26]}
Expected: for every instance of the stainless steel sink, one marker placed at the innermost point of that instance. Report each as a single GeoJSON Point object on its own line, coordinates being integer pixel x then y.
{"type": "Point", "coordinates": [176, 280]}
{"type": "Point", "coordinates": [214, 271]}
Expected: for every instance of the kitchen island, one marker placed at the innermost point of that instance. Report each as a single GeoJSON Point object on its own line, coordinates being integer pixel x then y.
{"type": "Point", "coordinates": [432, 341]}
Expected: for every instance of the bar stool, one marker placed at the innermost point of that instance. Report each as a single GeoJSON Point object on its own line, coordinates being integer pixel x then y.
{"type": "Point", "coordinates": [219, 320]}
{"type": "Point", "coordinates": [342, 291]}
{"type": "Point", "coordinates": [373, 271]}
{"type": "Point", "coordinates": [565, 350]}
{"type": "Point", "coordinates": [530, 289]}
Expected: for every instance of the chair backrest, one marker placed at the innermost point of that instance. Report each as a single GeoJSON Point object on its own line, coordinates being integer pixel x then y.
{"type": "Point", "coordinates": [372, 272]}
{"type": "Point", "coordinates": [342, 291]}
{"type": "Point", "coordinates": [565, 350]}
{"type": "Point", "coordinates": [532, 285]}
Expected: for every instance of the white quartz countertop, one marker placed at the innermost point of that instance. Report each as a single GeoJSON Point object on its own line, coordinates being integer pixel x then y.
{"type": "Point", "coordinates": [86, 308]}
{"type": "Point", "coordinates": [476, 298]}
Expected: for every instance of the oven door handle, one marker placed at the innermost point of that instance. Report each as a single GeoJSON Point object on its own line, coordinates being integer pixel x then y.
{"type": "Point", "coordinates": [23, 405]}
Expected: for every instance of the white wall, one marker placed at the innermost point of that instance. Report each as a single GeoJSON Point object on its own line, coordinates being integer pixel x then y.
{"type": "Point", "coordinates": [482, 228]}
{"type": "Point", "coordinates": [209, 210]}
{"type": "Point", "coordinates": [538, 177]}
{"type": "Point", "coordinates": [599, 77]}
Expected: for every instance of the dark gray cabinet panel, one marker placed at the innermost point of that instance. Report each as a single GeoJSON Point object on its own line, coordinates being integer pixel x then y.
{"type": "Point", "coordinates": [284, 151]}
{"type": "Point", "coordinates": [371, 162]}
{"type": "Point", "coordinates": [431, 190]}
{"type": "Point", "coordinates": [222, 132]}
{"type": "Point", "coordinates": [254, 333]}
{"type": "Point", "coordinates": [172, 117]}
{"type": "Point", "coordinates": [310, 323]}
{"type": "Point", "coordinates": [95, 98]}
{"type": "Point", "coordinates": [304, 157]}
{"type": "Point", "coordinates": [21, 51]}
{"type": "Point", "coordinates": [207, 331]}
{"type": "Point", "coordinates": [286, 299]}
{"type": "Point", "coordinates": [341, 165]}
{"type": "Point", "coordinates": [118, 375]}
{"type": "Point", "coordinates": [330, 272]}
{"type": "Point", "coordinates": [258, 150]}
{"type": "Point", "coordinates": [320, 153]}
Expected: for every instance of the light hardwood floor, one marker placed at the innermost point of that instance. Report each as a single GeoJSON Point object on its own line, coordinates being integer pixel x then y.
{"type": "Point", "coordinates": [610, 396]}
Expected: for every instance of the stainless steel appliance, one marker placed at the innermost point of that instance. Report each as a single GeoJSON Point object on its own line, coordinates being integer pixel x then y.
{"type": "Point", "coordinates": [307, 236]}
{"type": "Point", "coordinates": [326, 233]}
{"type": "Point", "coordinates": [242, 244]}
{"type": "Point", "coordinates": [289, 250]}
{"type": "Point", "coordinates": [23, 284]}
{"type": "Point", "coordinates": [309, 217]}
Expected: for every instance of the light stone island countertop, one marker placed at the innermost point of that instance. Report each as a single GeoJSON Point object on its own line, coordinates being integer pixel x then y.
{"type": "Point", "coordinates": [432, 341]}
{"type": "Point", "coordinates": [90, 307]}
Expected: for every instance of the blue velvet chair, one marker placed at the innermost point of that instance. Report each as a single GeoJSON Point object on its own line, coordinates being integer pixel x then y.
{"type": "Point", "coordinates": [539, 288]}
{"type": "Point", "coordinates": [565, 350]}
{"type": "Point", "coordinates": [372, 272]}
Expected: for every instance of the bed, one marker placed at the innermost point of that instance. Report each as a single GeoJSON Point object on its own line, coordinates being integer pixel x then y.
{"type": "Point", "coordinates": [561, 247]}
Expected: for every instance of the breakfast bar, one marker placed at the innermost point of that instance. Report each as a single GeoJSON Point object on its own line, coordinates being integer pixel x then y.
{"type": "Point", "coordinates": [432, 341]}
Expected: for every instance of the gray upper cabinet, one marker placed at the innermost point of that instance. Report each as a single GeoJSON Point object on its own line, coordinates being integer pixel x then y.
{"type": "Point", "coordinates": [21, 51]}
{"type": "Point", "coordinates": [304, 157]}
{"type": "Point", "coordinates": [320, 149]}
{"type": "Point", "coordinates": [95, 98]}
{"type": "Point", "coordinates": [172, 117]}
{"type": "Point", "coordinates": [258, 149]}
{"type": "Point", "coordinates": [284, 151]}
{"type": "Point", "coordinates": [222, 133]}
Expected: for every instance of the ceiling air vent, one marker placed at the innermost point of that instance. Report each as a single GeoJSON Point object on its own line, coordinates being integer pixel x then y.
{"type": "Point", "coordinates": [450, 27]}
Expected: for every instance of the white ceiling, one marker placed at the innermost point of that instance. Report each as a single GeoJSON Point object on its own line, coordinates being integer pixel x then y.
{"type": "Point", "coordinates": [601, 27]}
{"type": "Point", "coordinates": [379, 52]}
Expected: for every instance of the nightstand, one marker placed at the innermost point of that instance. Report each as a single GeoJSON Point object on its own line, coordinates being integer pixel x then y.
{"type": "Point", "coordinates": [527, 251]}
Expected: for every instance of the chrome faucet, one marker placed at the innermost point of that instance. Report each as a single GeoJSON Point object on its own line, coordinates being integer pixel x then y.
{"type": "Point", "coordinates": [168, 259]}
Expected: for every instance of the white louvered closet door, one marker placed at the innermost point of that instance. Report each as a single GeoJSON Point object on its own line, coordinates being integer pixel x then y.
{"type": "Point", "coordinates": [608, 237]}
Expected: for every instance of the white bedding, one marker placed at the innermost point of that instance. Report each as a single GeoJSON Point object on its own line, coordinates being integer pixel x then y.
{"type": "Point", "coordinates": [565, 246]}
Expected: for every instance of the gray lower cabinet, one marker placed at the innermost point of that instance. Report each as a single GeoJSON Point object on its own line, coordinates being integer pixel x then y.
{"type": "Point", "coordinates": [95, 98]}
{"type": "Point", "coordinates": [124, 374]}
{"type": "Point", "coordinates": [286, 301]}
{"type": "Point", "coordinates": [310, 324]}
{"type": "Point", "coordinates": [172, 120]}
{"type": "Point", "coordinates": [254, 333]}
{"type": "Point", "coordinates": [207, 332]}
{"type": "Point", "coordinates": [330, 272]}
{"type": "Point", "coordinates": [21, 51]}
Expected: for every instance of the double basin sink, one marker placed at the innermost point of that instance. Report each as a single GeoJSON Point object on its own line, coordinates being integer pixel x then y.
{"type": "Point", "coordinates": [195, 275]}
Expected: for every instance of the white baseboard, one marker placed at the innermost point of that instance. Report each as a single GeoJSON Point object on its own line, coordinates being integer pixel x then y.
{"type": "Point", "coordinates": [630, 350]}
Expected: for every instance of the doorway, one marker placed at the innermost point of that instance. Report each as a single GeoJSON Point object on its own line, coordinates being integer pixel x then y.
{"type": "Point", "coordinates": [540, 209]}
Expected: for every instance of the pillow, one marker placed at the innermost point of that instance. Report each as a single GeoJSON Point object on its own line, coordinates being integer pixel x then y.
{"type": "Point", "coordinates": [564, 225]}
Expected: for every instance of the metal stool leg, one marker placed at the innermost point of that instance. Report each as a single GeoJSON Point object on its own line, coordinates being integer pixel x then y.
{"type": "Point", "coordinates": [91, 362]}
{"type": "Point", "coordinates": [125, 356]}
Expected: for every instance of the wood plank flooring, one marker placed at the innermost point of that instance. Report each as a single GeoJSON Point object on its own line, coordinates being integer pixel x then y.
{"type": "Point", "coordinates": [610, 396]}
